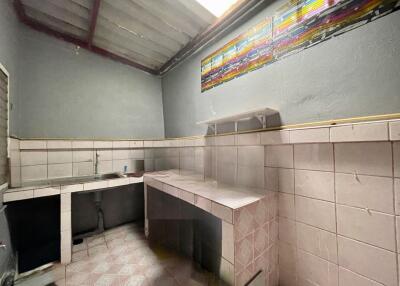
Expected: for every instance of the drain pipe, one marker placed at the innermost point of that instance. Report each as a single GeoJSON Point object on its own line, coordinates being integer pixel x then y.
{"type": "Point", "coordinates": [98, 197]}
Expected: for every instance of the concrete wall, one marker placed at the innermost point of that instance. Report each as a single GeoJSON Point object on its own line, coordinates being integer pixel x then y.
{"type": "Point", "coordinates": [8, 53]}
{"type": "Point", "coordinates": [354, 74]}
{"type": "Point", "coordinates": [64, 94]}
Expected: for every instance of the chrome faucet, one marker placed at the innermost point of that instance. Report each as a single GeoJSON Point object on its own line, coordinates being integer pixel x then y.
{"type": "Point", "coordinates": [96, 164]}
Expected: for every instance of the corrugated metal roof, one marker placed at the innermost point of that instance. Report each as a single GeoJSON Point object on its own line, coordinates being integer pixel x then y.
{"type": "Point", "coordinates": [147, 32]}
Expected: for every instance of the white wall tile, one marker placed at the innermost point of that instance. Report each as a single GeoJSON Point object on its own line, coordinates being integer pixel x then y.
{"type": "Point", "coordinates": [248, 139]}
{"type": "Point", "coordinates": [309, 135]}
{"type": "Point", "coordinates": [312, 270]}
{"type": "Point", "coordinates": [102, 144]}
{"type": "Point", "coordinates": [251, 156]}
{"type": "Point", "coordinates": [349, 278]}
{"type": "Point", "coordinates": [149, 153]}
{"type": "Point", "coordinates": [121, 154]}
{"type": "Point", "coordinates": [95, 185]}
{"type": "Point", "coordinates": [187, 197]}
{"type": "Point", "coordinates": [66, 246]}
{"type": "Point", "coordinates": [82, 156]}
{"type": "Point", "coordinates": [287, 256]}
{"type": "Point", "coordinates": [250, 176]}
{"type": "Point", "coordinates": [227, 242]}
{"type": "Point", "coordinates": [286, 205]}
{"type": "Point", "coordinates": [175, 192]}
{"type": "Point", "coordinates": [287, 231]}
{"type": "Point", "coordinates": [82, 144]}
{"type": "Point", "coordinates": [225, 140]}
{"type": "Point", "coordinates": [45, 192]}
{"type": "Point", "coordinates": [72, 188]}
{"type": "Point", "coordinates": [17, 196]}
{"type": "Point", "coordinates": [29, 158]}
{"type": "Point", "coordinates": [203, 203]}
{"type": "Point", "coordinates": [121, 144]}
{"type": "Point", "coordinates": [59, 170]}
{"type": "Point", "coordinates": [59, 144]}
{"type": "Point", "coordinates": [226, 173]}
{"type": "Point", "coordinates": [375, 193]}
{"type": "Point", "coordinates": [105, 167]}
{"type": "Point", "coordinates": [396, 159]}
{"type": "Point", "coordinates": [65, 202]}
{"type": "Point", "coordinates": [315, 184]}
{"type": "Point", "coordinates": [104, 155]}
{"type": "Point", "coordinates": [316, 213]}
{"type": "Point", "coordinates": [13, 143]}
{"type": "Point", "coordinates": [138, 154]}
{"type": "Point", "coordinates": [370, 261]}
{"type": "Point", "coordinates": [394, 128]}
{"type": "Point", "coordinates": [227, 155]}
{"type": "Point", "coordinates": [65, 224]}
{"type": "Point", "coordinates": [15, 158]}
{"type": "Point", "coordinates": [59, 156]}
{"type": "Point", "coordinates": [279, 179]}
{"type": "Point", "coordinates": [222, 212]}
{"type": "Point", "coordinates": [398, 234]}
{"type": "Point", "coordinates": [360, 132]}
{"type": "Point", "coordinates": [286, 277]}
{"type": "Point", "coordinates": [33, 173]}
{"type": "Point", "coordinates": [364, 158]}
{"type": "Point", "coordinates": [82, 169]}
{"type": "Point", "coordinates": [279, 156]}
{"type": "Point", "coordinates": [148, 165]}
{"type": "Point", "coordinates": [32, 144]}
{"type": "Point", "coordinates": [367, 226]}
{"type": "Point", "coordinates": [397, 195]}
{"type": "Point", "coordinates": [15, 176]}
{"type": "Point", "coordinates": [314, 157]}
{"type": "Point", "coordinates": [275, 137]}
{"type": "Point", "coordinates": [136, 144]}
{"type": "Point", "coordinates": [147, 143]}
{"type": "Point", "coordinates": [317, 241]}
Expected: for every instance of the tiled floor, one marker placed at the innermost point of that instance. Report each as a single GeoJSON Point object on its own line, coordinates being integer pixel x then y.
{"type": "Point", "coordinates": [123, 257]}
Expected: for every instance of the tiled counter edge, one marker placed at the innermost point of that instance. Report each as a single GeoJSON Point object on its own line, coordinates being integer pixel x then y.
{"type": "Point", "coordinates": [41, 191]}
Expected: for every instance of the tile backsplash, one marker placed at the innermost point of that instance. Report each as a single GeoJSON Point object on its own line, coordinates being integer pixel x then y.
{"type": "Point", "coordinates": [337, 189]}
{"type": "Point", "coordinates": [339, 219]}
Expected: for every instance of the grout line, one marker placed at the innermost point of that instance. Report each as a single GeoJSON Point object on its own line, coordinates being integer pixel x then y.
{"type": "Point", "coordinates": [395, 219]}
{"type": "Point", "coordinates": [294, 205]}
{"type": "Point", "coordinates": [335, 202]}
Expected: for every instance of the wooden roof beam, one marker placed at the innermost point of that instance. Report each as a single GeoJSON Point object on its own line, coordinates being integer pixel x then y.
{"type": "Point", "coordinates": [93, 21]}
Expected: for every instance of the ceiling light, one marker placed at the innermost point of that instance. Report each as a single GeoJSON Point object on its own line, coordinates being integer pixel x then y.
{"type": "Point", "coordinates": [217, 7]}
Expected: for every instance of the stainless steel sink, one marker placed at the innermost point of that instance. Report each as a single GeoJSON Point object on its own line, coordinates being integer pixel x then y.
{"type": "Point", "coordinates": [108, 176]}
{"type": "Point", "coordinates": [75, 180]}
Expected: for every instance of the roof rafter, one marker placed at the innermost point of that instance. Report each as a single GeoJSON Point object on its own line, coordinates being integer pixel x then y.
{"type": "Point", "coordinates": [93, 21]}
{"type": "Point", "coordinates": [68, 38]}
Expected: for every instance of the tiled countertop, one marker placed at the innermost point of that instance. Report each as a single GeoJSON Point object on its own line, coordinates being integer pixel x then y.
{"type": "Point", "coordinates": [218, 199]}
{"type": "Point", "coordinates": [43, 189]}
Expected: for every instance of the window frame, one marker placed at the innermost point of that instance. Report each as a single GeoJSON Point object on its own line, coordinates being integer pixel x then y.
{"type": "Point", "coordinates": [5, 71]}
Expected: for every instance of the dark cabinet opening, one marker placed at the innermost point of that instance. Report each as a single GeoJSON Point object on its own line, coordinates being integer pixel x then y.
{"type": "Point", "coordinates": [35, 231]}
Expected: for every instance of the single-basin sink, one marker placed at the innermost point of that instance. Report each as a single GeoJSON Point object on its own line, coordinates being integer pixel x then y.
{"type": "Point", "coordinates": [75, 180]}
{"type": "Point", "coordinates": [108, 176]}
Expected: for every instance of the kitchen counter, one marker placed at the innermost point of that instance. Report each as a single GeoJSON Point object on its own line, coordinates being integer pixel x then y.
{"type": "Point", "coordinates": [248, 218]}
{"type": "Point", "coordinates": [183, 186]}
{"type": "Point", "coordinates": [38, 189]}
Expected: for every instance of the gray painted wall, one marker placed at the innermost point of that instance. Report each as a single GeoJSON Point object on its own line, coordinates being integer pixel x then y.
{"type": "Point", "coordinates": [9, 53]}
{"type": "Point", "coordinates": [355, 74]}
{"type": "Point", "coordinates": [62, 94]}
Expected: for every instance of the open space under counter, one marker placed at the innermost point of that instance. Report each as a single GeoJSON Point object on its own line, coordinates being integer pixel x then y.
{"type": "Point", "coordinates": [247, 216]}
